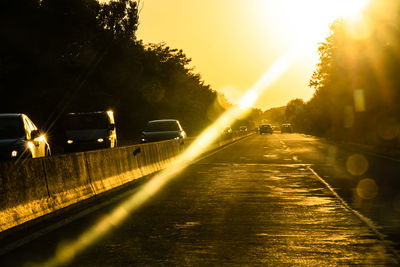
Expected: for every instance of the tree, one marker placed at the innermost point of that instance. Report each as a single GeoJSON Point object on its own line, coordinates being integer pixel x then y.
{"type": "Point", "coordinates": [59, 56]}
{"type": "Point", "coordinates": [356, 81]}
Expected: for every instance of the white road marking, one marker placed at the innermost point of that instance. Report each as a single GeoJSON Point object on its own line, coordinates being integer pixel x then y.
{"type": "Point", "coordinates": [370, 224]}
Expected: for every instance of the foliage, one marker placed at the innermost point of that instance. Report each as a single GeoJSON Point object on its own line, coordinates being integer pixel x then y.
{"type": "Point", "coordinates": [357, 86]}
{"type": "Point", "coordinates": [275, 116]}
{"type": "Point", "coordinates": [59, 56]}
{"type": "Point", "coordinates": [294, 114]}
{"type": "Point", "coordinates": [251, 119]}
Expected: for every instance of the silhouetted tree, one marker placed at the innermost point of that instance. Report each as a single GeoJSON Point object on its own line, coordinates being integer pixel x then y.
{"type": "Point", "coordinates": [275, 116]}
{"type": "Point", "coordinates": [59, 56]}
{"type": "Point", "coordinates": [357, 86]}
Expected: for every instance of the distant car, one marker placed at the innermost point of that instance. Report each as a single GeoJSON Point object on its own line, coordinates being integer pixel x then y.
{"type": "Point", "coordinates": [159, 130]}
{"type": "Point", "coordinates": [286, 128]}
{"type": "Point", "coordinates": [243, 128]}
{"type": "Point", "coordinates": [89, 130]}
{"type": "Point", "coordinates": [19, 137]}
{"type": "Point", "coordinates": [227, 131]}
{"type": "Point", "coordinates": [266, 128]}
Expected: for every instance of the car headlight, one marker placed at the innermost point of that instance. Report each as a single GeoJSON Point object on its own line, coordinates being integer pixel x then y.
{"type": "Point", "coordinates": [70, 141]}
{"type": "Point", "coordinates": [42, 138]}
{"type": "Point", "coordinates": [30, 145]}
{"type": "Point", "coordinates": [14, 153]}
{"type": "Point", "coordinates": [100, 140]}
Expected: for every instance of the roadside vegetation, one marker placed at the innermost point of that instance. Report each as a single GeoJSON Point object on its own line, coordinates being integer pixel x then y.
{"type": "Point", "coordinates": [357, 81]}
{"type": "Point", "coordinates": [60, 56]}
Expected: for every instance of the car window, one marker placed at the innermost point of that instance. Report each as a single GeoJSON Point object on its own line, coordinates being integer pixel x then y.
{"type": "Point", "coordinates": [11, 127]}
{"type": "Point", "coordinates": [160, 126]}
{"type": "Point", "coordinates": [86, 121]}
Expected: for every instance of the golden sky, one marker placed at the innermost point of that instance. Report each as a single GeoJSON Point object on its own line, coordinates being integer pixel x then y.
{"type": "Point", "coordinates": [232, 43]}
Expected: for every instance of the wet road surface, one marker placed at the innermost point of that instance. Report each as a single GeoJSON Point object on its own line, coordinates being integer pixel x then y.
{"type": "Point", "coordinates": [256, 202]}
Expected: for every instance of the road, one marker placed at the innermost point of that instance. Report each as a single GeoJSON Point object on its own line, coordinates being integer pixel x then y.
{"type": "Point", "coordinates": [265, 200]}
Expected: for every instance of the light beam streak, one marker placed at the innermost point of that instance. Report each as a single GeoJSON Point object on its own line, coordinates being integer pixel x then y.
{"type": "Point", "coordinates": [68, 251]}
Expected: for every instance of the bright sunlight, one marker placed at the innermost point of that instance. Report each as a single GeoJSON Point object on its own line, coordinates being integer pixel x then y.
{"type": "Point", "coordinates": [309, 19]}
{"type": "Point", "coordinates": [299, 12]}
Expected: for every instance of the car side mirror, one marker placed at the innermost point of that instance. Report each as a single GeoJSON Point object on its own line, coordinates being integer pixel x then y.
{"type": "Point", "coordinates": [35, 134]}
{"type": "Point", "coordinates": [112, 127]}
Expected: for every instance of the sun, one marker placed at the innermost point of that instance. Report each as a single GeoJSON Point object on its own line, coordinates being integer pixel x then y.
{"type": "Point", "coordinates": [349, 9]}
{"type": "Point", "coordinates": [311, 18]}
{"type": "Point", "coordinates": [306, 20]}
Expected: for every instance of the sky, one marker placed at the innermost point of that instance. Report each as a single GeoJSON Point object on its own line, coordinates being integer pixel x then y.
{"type": "Point", "coordinates": [233, 43]}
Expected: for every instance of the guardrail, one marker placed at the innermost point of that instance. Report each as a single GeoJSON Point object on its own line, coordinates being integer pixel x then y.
{"type": "Point", "coordinates": [41, 186]}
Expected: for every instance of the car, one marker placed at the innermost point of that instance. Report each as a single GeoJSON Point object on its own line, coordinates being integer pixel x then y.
{"type": "Point", "coordinates": [20, 138]}
{"type": "Point", "coordinates": [227, 131]}
{"type": "Point", "coordinates": [266, 128]}
{"type": "Point", "coordinates": [286, 128]}
{"type": "Point", "coordinates": [159, 130]}
{"type": "Point", "coordinates": [243, 128]}
{"type": "Point", "coordinates": [89, 130]}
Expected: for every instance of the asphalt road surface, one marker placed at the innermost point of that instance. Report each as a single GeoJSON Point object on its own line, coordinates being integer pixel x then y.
{"type": "Point", "coordinates": [281, 199]}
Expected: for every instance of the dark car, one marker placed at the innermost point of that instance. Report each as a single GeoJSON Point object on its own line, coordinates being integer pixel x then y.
{"type": "Point", "coordinates": [227, 131]}
{"type": "Point", "coordinates": [266, 128]}
{"type": "Point", "coordinates": [286, 128]}
{"type": "Point", "coordinates": [19, 137]}
{"type": "Point", "coordinates": [158, 130]}
{"type": "Point", "coordinates": [89, 130]}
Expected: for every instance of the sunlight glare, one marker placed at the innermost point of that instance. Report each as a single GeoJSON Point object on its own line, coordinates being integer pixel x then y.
{"type": "Point", "coordinates": [351, 8]}
{"type": "Point", "coordinates": [68, 251]}
{"type": "Point", "coordinates": [311, 16]}
{"type": "Point", "coordinates": [248, 100]}
{"type": "Point", "coordinates": [310, 19]}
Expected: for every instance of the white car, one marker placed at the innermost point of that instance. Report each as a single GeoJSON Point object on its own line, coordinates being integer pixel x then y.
{"type": "Point", "coordinates": [19, 137]}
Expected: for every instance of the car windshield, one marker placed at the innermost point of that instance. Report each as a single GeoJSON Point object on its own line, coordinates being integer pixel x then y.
{"type": "Point", "coordinates": [86, 121]}
{"type": "Point", "coordinates": [160, 126]}
{"type": "Point", "coordinates": [11, 127]}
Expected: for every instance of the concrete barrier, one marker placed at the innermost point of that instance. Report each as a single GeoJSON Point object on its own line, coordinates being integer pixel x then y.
{"type": "Point", "coordinates": [146, 159]}
{"type": "Point", "coordinates": [68, 179]}
{"type": "Point", "coordinates": [130, 166]}
{"type": "Point", "coordinates": [40, 186]}
{"type": "Point", "coordinates": [23, 192]}
{"type": "Point", "coordinates": [104, 169]}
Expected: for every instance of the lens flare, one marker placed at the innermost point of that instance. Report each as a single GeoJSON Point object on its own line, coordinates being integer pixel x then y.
{"type": "Point", "coordinates": [68, 251]}
{"type": "Point", "coordinates": [357, 164]}
{"type": "Point", "coordinates": [248, 100]}
{"type": "Point", "coordinates": [367, 188]}
{"type": "Point", "coordinates": [359, 100]}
